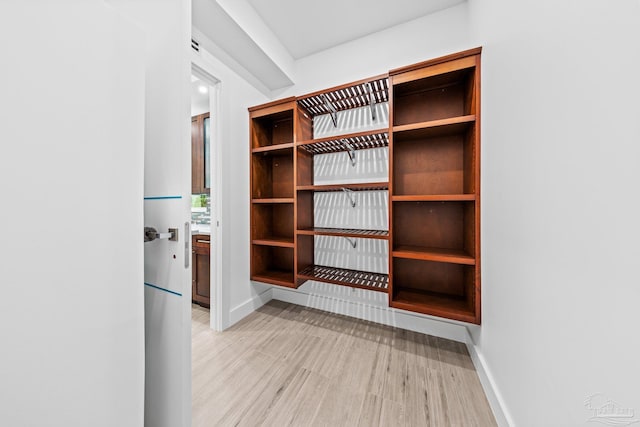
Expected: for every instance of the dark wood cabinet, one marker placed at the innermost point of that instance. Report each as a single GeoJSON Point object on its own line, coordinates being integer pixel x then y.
{"type": "Point", "coordinates": [201, 270]}
{"type": "Point", "coordinates": [200, 164]}
{"type": "Point", "coordinates": [433, 140]}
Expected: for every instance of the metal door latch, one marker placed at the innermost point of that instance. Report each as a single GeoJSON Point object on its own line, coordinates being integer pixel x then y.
{"type": "Point", "coordinates": [150, 233]}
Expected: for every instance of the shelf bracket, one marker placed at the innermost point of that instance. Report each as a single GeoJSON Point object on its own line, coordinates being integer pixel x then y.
{"type": "Point", "coordinates": [350, 151]}
{"type": "Point", "coordinates": [372, 101]}
{"type": "Point", "coordinates": [353, 242]}
{"type": "Point", "coordinates": [350, 195]}
{"type": "Point", "coordinates": [332, 110]}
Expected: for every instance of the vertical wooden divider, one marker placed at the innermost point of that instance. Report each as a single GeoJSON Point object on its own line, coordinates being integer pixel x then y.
{"type": "Point", "coordinates": [477, 134]}
{"type": "Point", "coordinates": [303, 205]}
{"type": "Point", "coordinates": [390, 192]}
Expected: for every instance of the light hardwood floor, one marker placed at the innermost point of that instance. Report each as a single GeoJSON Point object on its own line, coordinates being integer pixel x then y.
{"type": "Point", "coordinates": [287, 365]}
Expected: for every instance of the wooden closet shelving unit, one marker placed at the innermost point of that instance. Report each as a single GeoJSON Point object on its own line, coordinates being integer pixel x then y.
{"type": "Point", "coordinates": [272, 192]}
{"type": "Point", "coordinates": [434, 187]}
{"type": "Point", "coordinates": [433, 140]}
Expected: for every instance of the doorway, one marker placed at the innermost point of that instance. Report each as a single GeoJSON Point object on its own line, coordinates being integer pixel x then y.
{"type": "Point", "coordinates": [205, 196]}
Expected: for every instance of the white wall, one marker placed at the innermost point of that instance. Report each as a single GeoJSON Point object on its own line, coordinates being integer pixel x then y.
{"type": "Point", "coordinates": [434, 35]}
{"type": "Point", "coordinates": [561, 143]}
{"type": "Point", "coordinates": [72, 128]}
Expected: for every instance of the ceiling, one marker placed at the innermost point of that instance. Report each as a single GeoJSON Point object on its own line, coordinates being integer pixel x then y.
{"type": "Point", "coordinates": [262, 39]}
{"type": "Point", "coordinates": [307, 27]}
{"type": "Point", "coordinates": [199, 96]}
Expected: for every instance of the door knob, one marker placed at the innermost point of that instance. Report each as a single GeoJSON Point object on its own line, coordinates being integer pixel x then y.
{"type": "Point", "coordinates": [150, 234]}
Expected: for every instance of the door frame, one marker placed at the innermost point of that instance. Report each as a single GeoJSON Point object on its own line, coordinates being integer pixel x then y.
{"type": "Point", "coordinates": [203, 70]}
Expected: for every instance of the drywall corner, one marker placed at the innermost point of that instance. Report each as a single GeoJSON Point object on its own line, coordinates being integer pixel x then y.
{"type": "Point", "coordinates": [494, 397]}
{"type": "Point", "coordinates": [241, 311]}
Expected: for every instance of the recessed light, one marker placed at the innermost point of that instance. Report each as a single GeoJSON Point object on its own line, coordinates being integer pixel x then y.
{"type": "Point", "coordinates": [203, 89]}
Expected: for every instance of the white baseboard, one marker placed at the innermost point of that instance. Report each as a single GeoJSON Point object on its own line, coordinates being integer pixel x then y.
{"type": "Point", "coordinates": [385, 315]}
{"type": "Point", "coordinates": [241, 311]}
{"type": "Point", "coordinates": [488, 384]}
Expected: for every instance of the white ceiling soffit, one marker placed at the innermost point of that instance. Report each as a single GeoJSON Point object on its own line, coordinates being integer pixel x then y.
{"type": "Point", "coordinates": [236, 31]}
{"type": "Point", "coordinates": [305, 27]}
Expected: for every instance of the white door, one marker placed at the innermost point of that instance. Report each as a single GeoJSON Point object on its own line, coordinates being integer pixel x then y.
{"type": "Point", "coordinates": [72, 138]}
{"type": "Point", "coordinates": [167, 205]}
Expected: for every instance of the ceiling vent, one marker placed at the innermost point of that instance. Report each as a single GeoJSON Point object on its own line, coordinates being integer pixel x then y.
{"type": "Point", "coordinates": [195, 45]}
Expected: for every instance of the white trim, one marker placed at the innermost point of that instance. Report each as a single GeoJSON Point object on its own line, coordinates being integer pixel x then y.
{"type": "Point", "coordinates": [216, 221]}
{"type": "Point", "coordinates": [206, 44]}
{"type": "Point", "coordinates": [249, 306]}
{"type": "Point", "coordinates": [200, 72]}
{"type": "Point", "coordinates": [494, 397]}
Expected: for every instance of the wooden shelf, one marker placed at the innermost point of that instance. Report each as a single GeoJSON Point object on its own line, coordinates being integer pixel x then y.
{"type": "Point", "coordinates": [434, 225]}
{"type": "Point", "coordinates": [272, 174]}
{"type": "Point", "coordinates": [433, 254]}
{"type": "Point", "coordinates": [442, 305]}
{"type": "Point", "coordinates": [435, 93]}
{"type": "Point", "coordinates": [273, 200]}
{"type": "Point", "coordinates": [273, 149]}
{"type": "Point", "coordinates": [271, 262]}
{"type": "Point", "coordinates": [367, 186]}
{"type": "Point", "coordinates": [352, 278]}
{"type": "Point", "coordinates": [428, 164]}
{"type": "Point", "coordinates": [272, 223]}
{"type": "Point", "coordinates": [432, 128]}
{"type": "Point", "coordinates": [348, 96]}
{"type": "Point", "coordinates": [358, 141]}
{"type": "Point", "coordinates": [282, 242]}
{"type": "Point", "coordinates": [343, 232]}
{"type": "Point", "coordinates": [272, 129]}
{"type": "Point", "coordinates": [275, 277]}
{"type": "Point", "coordinates": [435, 198]}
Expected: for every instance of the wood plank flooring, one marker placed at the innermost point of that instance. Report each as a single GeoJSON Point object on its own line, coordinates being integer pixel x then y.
{"type": "Point", "coordinates": [287, 365]}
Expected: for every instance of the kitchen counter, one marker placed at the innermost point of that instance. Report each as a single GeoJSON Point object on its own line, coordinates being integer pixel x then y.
{"type": "Point", "coordinates": [200, 229]}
